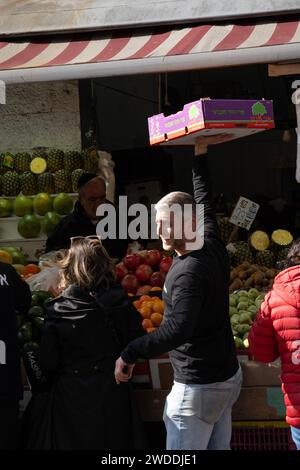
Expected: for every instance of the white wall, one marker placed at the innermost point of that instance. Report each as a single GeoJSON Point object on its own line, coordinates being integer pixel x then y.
{"type": "Point", "coordinates": [40, 114]}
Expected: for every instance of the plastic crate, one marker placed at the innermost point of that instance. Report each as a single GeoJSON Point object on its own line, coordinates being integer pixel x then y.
{"type": "Point", "coordinates": [261, 436]}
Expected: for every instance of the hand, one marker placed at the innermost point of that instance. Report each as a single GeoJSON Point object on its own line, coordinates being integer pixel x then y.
{"type": "Point", "coordinates": [123, 371]}
{"type": "Point", "coordinates": [202, 142]}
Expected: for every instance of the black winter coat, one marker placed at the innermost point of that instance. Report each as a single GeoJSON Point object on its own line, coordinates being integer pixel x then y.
{"type": "Point", "coordinates": [14, 295]}
{"type": "Point", "coordinates": [85, 408]}
{"type": "Point", "coordinates": [77, 224]}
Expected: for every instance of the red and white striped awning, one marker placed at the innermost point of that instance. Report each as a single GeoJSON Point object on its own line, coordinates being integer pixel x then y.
{"type": "Point", "coordinates": [126, 52]}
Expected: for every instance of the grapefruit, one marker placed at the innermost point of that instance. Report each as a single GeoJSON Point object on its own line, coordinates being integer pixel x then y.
{"type": "Point", "coordinates": [62, 204]}
{"type": "Point", "coordinates": [29, 226]}
{"type": "Point", "coordinates": [22, 205]}
{"type": "Point", "coordinates": [49, 222]}
{"type": "Point", "coordinates": [5, 207]}
{"type": "Point", "coordinates": [42, 203]}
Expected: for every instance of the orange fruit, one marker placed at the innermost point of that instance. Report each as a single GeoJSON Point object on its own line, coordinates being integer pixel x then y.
{"type": "Point", "coordinates": [130, 294]}
{"type": "Point", "coordinates": [137, 304]}
{"type": "Point", "coordinates": [149, 330]}
{"type": "Point", "coordinates": [156, 318]}
{"type": "Point", "coordinates": [145, 297]}
{"type": "Point", "coordinates": [155, 288]}
{"type": "Point", "coordinates": [148, 304]}
{"type": "Point", "coordinates": [31, 269]}
{"type": "Point", "coordinates": [158, 306]}
{"type": "Point", "coordinates": [146, 323]}
{"type": "Point", "coordinates": [145, 312]}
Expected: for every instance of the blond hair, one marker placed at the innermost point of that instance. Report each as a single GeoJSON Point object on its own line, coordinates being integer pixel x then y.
{"type": "Point", "coordinates": [86, 264]}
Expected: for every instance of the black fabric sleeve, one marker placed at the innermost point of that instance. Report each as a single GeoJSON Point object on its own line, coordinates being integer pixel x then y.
{"type": "Point", "coordinates": [22, 295]}
{"type": "Point", "coordinates": [186, 303]}
{"type": "Point", "coordinates": [135, 328]}
{"type": "Point", "coordinates": [60, 237]}
{"type": "Point", "coordinates": [201, 184]}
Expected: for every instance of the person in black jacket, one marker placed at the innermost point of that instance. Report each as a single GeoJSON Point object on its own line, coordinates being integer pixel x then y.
{"type": "Point", "coordinates": [196, 327]}
{"type": "Point", "coordinates": [14, 295]}
{"type": "Point", "coordinates": [83, 219]}
{"type": "Point", "coordinates": [86, 328]}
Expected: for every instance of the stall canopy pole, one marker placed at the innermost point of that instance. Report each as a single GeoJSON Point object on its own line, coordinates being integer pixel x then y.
{"type": "Point", "coordinates": [194, 61]}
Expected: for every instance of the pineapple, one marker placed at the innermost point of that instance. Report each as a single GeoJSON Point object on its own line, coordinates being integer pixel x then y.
{"type": "Point", "coordinates": [75, 176]}
{"type": "Point", "coordinates": [242, 253]}
{"type": "Point", "coordinates": [46, 183]}
{"type": "Point", "coordinates": [281, 238]}
{"type": "Point", "coordinates": [259, 240]}
{"type": "Point", "coordinates": [225, 227]}
{"type": "Point", "coordinates": [40, 152]}
{"type": "Point", "coordinates": [282, 254]}
{"type": "Point", "coordinates": [90, 160]}
{"type": "Point", "coordinates": [55, 160]}
{"type": "Point", "coordinates": [62, 181]}
{"type": "Point", "coordinates": [0, 185]}
{"type": "Point", "coordinates": [72, 160]}
{"type": "Point", "coordinates": [28, 183]}
{"type": "Point", "coordinates": [11, 183]}
{"type": "Point", "coordinates": [38, 165]}
{"type": "Point", "coordinates": [22, 162]}
{"type": "Point", "coordinates": [265, 258]}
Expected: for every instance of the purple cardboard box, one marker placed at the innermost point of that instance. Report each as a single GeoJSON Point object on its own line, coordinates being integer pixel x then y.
{"type": "Point", "coordinates": [206, 116]}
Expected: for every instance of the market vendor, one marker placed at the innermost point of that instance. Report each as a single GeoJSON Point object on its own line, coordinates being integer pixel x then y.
{"type": "Point", "coordinates": [82, 221]}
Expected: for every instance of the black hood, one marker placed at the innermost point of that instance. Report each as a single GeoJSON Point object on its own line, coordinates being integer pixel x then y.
{"type": "Point", "coordinates": [74, 302]}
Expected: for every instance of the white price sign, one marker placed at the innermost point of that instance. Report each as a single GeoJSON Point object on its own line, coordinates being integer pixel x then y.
{"type": "Point", "coordinates": [244, 213]}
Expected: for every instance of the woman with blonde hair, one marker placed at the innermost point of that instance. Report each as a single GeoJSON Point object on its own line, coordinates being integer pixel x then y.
{"type": "Point", "coordinates": [86, 328]}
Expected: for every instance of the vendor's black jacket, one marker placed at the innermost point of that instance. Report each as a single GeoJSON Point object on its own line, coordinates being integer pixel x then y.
{"type": "Point", "coordinates": [14, 296]}
{"type": "Point", "coordinates": [77, 224]}
{"type": "Point", "coordinates": [85, 408]}
{"type": "Point", "coordinates": [196, 328]}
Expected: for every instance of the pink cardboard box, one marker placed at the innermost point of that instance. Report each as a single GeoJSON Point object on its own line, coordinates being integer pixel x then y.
{"type": "Point", "coordinates": [207, 116]}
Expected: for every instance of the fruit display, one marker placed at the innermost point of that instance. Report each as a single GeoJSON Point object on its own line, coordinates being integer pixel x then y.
{"type": "Point", "coordinates": [259, 240]}
{"type": "Point", "coordinates": [19, 260]}
{"type": "Point", "coordinates": [22, 162]}
{"type": "Point", "coordinates": [62, 181]}
{"type": "Point", "coordinates": [281, 239]}
{"type": "Point", "coordinates": [243, 306]}
{"type": "Point", "coordinates": [30, 325]}
{"type": "Point", "coordinates": [261, 248]}
{"type": "Point", "coordinates": [247, 275]}
{"type": "Point", "coordinates": [10, 183]}
{"type": "Point", "coordinates": [139, 272]}
{"type": "Point", "coordinates": [45, 170]}
{"type": "Point", "coordinates": [225, 227]}
{"type": "Point", "coordinates": [28, 184]}
{"type": "Point", "coordinates": [46, 183]}
{"type": "Point", "coordinates": [151, 308]}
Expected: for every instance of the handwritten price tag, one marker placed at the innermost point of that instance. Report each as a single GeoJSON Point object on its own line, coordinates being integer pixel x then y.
{"type": "Point", "coordinates": [244, 213]}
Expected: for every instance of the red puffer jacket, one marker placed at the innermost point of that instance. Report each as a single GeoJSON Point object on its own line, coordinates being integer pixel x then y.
{"type": "Point", "coordinates": [276, 332]}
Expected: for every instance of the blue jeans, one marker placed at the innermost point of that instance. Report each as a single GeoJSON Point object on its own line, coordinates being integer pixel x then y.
{"type": "Point", "coordinates": [296, 436]}
{"type": "Point", "coordinates": [198, 416]}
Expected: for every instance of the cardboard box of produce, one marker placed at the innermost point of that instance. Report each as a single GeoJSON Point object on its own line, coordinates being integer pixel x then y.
{"type": "Point", "coordinates": [206, 116]}
{"type": "Point", "coordinates": [257, 374]}
{"type": "Point", "coordinates": [259, 403]}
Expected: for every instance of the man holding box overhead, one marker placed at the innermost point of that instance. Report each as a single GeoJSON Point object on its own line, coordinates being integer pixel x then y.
{"type": "Point", "coordinates": [196, 328]}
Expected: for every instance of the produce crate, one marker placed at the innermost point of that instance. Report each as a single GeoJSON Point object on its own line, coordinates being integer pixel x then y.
{"type": "Point", "coordinates": [261, 435]}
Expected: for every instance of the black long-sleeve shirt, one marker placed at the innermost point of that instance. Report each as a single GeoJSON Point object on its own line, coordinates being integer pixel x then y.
{"type": "Point", "coordinates": [14, 295]}
{"type": "Point", "coordinates": [196, 328]}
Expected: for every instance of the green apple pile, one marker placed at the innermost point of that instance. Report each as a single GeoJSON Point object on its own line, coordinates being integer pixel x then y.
{"type": "Point", "coordinates": [243, 306]}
